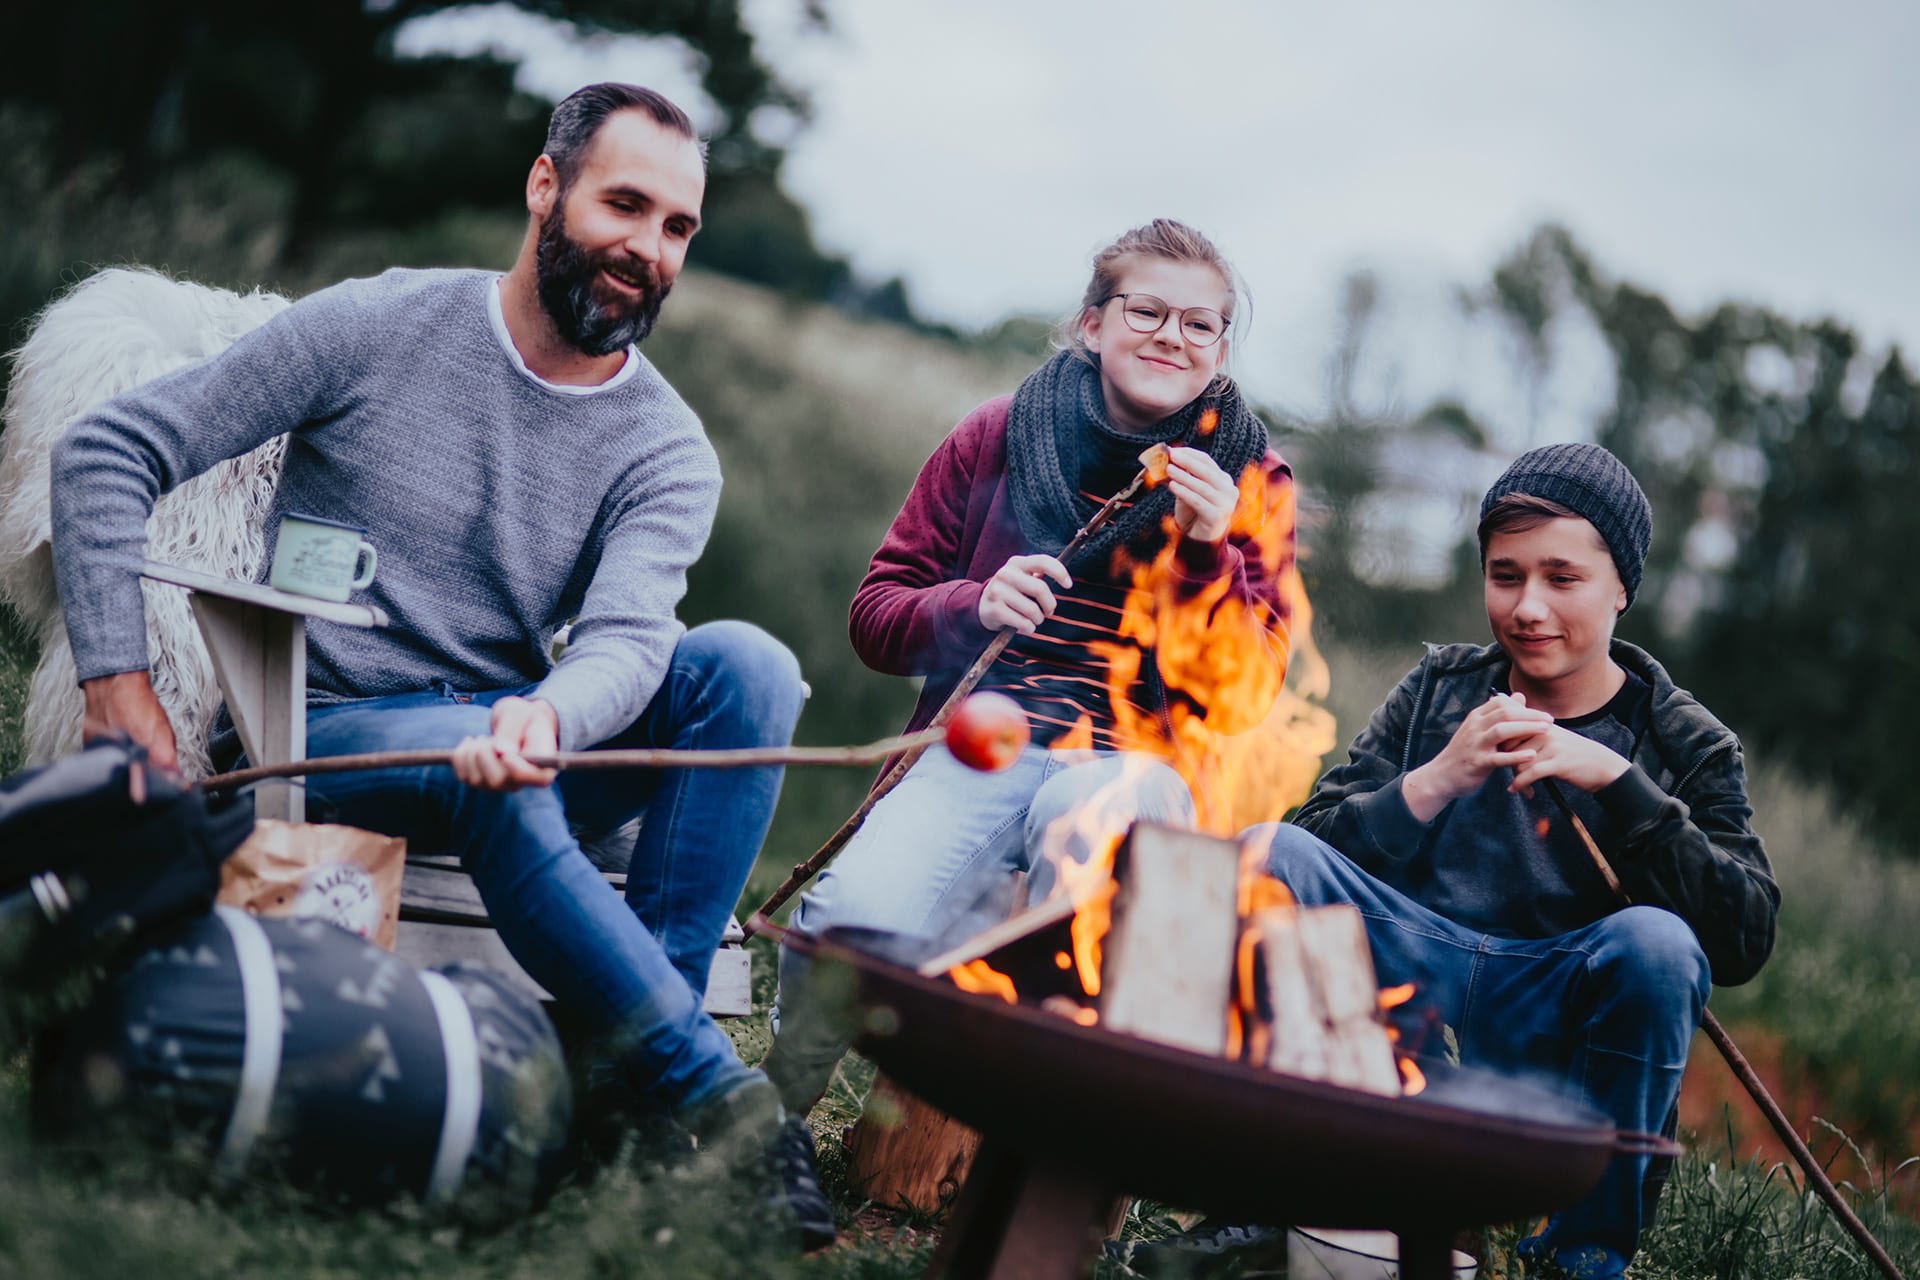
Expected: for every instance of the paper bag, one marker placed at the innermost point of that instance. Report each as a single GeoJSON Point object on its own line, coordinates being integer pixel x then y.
{"type": "Point", "coordinates": [342, 875]}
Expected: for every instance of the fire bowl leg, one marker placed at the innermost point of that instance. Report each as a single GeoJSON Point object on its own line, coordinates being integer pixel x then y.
{"type": "Point", "coordinates": [1022, 1217]}
{"type": "Point", "coordinates": [1426, 1253]}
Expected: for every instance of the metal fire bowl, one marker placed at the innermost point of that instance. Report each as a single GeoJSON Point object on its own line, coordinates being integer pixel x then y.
{"type": "Point", "coordinates": [1218, 1136]}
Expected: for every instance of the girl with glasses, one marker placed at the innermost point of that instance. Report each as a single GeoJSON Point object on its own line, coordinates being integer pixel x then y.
{"type": "Point", "coordinates": [975, 550]}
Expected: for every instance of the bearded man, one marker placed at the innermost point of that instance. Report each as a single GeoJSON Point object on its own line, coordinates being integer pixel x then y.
{"type": "Point", "coordinates": [518, 464]}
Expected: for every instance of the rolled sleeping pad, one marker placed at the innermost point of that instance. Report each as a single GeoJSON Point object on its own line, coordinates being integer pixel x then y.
{"type": "Point", "coordinates": [292, 1048]}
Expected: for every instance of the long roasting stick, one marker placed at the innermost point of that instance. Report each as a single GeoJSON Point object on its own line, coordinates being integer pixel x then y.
{"type": "Point", "coordinates": [805, 871]}
{"type": "Point", "coordinates": [1744, 1070]}
{"type": "Point", "coordinates": [641, 758]}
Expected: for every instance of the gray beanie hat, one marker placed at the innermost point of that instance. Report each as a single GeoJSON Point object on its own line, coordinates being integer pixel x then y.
{"type": "Point", "coordinates": [1586, 479]}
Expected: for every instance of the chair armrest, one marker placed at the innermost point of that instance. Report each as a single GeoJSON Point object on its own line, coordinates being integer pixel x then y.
{"type": "Point", "coordinates": [264, 597]}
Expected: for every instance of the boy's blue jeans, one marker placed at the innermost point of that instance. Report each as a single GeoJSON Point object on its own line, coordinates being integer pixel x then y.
{"type": "Point", "coordinates": [636, 969]}
{"type": "Point", "coordinates": [1604, 1013]}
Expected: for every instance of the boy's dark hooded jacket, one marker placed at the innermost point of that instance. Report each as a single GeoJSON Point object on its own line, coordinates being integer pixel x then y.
{"type": "Point", "coordinates": [1687, 844]}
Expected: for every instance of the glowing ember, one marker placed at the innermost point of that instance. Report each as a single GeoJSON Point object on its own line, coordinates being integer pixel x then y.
{"type": "Point", "coordinates": [1071, 1010]}
{"type": "Point", "coordinates": [1394, 997]}
{"type": "Point", "coordinates": [1209, 420]}
{"type": "Point", "coordinates": [981, 978]}
{"type": "Point", "coordinates": [1540, 828]}
{"type": "Point", "coordinates": [1412, 1078]}
{"type": "Point", "coordinates": [1062, 960]}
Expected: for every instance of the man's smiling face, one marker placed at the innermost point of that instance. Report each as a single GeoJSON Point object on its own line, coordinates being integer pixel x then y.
{"type": "Point", "coordinates": [615, 239]}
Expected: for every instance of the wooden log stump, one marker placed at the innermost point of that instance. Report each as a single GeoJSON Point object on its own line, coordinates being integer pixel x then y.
{"type": "Point", "coordinates": [906, 1154]}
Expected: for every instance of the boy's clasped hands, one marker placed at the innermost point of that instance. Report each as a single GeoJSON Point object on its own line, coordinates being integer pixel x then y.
{"type": "Point", "coordinates": [1505, 733]}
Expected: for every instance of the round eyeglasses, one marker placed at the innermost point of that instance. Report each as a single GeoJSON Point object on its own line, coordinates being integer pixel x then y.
{"type": "Point", "coordinates": [1144, 313]}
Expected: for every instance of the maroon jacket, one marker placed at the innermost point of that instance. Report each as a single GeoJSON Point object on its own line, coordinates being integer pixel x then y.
{"type": "Point", "coordinates": [917, 612]}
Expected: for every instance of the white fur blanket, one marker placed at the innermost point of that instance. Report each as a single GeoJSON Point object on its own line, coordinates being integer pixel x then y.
{"type": "Point", "coordinates": [111, 332]}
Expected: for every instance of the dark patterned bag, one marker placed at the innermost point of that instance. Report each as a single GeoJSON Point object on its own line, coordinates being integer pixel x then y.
{"type": "Point", "coordinates": [293, 1048]}
{"type": "Point", "coordinates": [97, 849]}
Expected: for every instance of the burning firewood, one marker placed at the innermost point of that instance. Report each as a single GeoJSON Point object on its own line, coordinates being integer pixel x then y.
{"type": "Point", "coordinates": [1324, 1000]}
{"type": "Point", "coordinates": [1180, 938]}
{"type": "Point", "coordinates": [1167, 971]}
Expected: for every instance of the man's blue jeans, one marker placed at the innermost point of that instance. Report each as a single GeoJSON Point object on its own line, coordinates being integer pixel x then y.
{"type": "Point", "coordinates": [1604, 1013]}
{"type": "Point", "coordinates": [636, 969]}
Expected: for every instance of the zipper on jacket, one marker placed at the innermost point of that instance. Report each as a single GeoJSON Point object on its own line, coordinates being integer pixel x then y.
{"type": "Point", "coordinates": [1717, 749]}
{"type": "Point", "coordinates": [1419, 708]}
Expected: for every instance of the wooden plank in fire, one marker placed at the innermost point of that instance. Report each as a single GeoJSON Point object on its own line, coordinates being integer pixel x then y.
{"type": "Point", "coordinates": [1324, 999]}
{"type": "Point", "coordinates": [1167, 969]}
{"type": "Point", "coordinates": [1016, 928]}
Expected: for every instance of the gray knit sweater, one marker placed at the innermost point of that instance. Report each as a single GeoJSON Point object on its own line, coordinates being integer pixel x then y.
{"type": "Point", "coordinates": [500, 507]}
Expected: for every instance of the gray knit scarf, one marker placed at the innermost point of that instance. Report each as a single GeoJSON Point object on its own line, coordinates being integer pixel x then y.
{"type": "Point", "coordinates": [1049, 420]}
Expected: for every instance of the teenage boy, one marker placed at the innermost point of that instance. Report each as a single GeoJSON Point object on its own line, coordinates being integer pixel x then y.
{"type": "Point", "coordinates": [1446, 829]}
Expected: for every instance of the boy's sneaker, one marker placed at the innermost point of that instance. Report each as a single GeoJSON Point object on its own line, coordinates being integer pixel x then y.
{"type": "Point", "coordinates": [797, 1166]}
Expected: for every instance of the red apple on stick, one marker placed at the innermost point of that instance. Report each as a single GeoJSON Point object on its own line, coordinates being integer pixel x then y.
{"type": "Point", "coordinates": [987, 732]}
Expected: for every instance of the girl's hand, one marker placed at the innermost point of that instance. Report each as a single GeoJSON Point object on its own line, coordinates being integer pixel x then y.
{"type": "Point", "coordinates": [1203, 495]}
{"type": "Point", "coordinates": [1017, 595]}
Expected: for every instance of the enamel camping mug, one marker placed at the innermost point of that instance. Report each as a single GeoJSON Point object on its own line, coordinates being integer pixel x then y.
{"type": "Point", "coordinates": [321, 558]}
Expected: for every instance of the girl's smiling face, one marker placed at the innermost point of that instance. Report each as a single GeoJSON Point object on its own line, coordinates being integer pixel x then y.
{"type": "Point", "coordinates": [1147, 377]}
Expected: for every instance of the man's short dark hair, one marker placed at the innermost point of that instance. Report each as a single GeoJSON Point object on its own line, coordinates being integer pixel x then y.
{"type": "Point", "coordinates": [579, 117]}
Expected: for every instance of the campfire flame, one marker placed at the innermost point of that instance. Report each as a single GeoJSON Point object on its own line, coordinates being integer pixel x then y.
{"type": "Point", "coordinates": [981, 978]}
{"type": "Point", "coordinates": [1247, 744]}
{"type": "Point", "coordinates": [1258, 892]}
{"type": "Point", "coordinates": [1097, 826]}
{"type": "Point", "coordinates": [1243, 728]}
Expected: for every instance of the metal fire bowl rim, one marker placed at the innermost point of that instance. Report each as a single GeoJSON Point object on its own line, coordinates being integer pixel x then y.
{"type": "Point", "coordinates": [1210, 1134]}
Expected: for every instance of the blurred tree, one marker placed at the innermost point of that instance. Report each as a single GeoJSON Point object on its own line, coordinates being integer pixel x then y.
{"type": "Point", "coordinates": [1356, 466]}
{"type": "Point", "coordinates": [371, 138]}
{"type": "Point", "coordinates": [1818, 630]}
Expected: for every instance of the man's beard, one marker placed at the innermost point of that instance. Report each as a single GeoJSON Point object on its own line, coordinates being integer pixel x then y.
{"type": "Point", "coordinates": [566, 274]}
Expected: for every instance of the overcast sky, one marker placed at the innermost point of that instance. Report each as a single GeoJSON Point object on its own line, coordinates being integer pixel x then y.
{"type": "Point", "coordinates": [1767, 150]}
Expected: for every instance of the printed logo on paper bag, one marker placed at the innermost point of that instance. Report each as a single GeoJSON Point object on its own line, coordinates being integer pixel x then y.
{"type": "Point", "coordinates": [340, 893]}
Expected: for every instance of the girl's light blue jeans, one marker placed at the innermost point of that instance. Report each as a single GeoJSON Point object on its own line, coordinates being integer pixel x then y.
{"type": "Point", "coordinates": [934, 860]}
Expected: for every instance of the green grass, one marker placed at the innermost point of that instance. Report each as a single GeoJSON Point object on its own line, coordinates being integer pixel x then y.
{"type": "Point", "coordinates": [16, 668]}
{"type": "Point", "coordinates": [1842, 991]}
